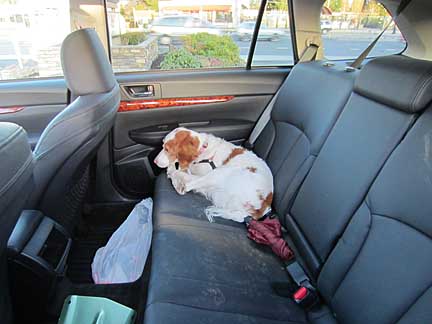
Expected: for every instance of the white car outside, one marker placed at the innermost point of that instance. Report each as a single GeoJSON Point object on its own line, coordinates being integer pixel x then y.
{"type": "Point", "coordinates": [246, 29]}
{"type": "Point", "coordinates": [172, 26]}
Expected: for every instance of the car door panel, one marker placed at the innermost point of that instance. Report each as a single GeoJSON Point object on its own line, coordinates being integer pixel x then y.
{"type": "Point", "coordinates": [138, 131]}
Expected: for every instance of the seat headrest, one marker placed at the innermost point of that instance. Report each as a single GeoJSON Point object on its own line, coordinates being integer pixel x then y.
{"type": "Point", "coordinates": [397, 81]}
{"type": "Point", "coordinates": [85, 64]}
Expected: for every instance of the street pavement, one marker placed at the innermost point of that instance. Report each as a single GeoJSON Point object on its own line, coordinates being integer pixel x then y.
{"type": "Point", "coordinates": [335, 48]}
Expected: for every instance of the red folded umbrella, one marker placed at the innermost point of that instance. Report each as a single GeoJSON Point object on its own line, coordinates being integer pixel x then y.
{"type": "Point", "coordinates": [269, 232]}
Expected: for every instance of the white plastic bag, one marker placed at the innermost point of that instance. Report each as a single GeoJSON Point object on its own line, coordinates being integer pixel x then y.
{"type": "Point", "coordinates": [124, 256]}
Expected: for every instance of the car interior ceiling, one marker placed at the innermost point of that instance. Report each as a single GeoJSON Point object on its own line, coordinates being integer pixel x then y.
{"type": "Point", "coordinates": [349, 149]}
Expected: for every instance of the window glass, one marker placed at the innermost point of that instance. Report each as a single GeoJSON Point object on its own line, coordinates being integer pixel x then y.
{"type": "Point", "coordinates": [31, 33]}
{"type": "Point", "coordinates": [349, 26]}
{"type": "Point", "coordinates": [178, 34]}
{"type": "Point", "coordinates": [274, 47]}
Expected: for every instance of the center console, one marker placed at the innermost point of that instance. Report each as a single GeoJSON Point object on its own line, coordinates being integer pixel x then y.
{"type": "Point", "coordinates": [37, 251]}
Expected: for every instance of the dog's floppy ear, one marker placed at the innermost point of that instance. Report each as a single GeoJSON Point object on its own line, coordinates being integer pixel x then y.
{"type": "Point", "coordinates": [188, 150]}
{"type": "Point", "coordinates": [184, 146]}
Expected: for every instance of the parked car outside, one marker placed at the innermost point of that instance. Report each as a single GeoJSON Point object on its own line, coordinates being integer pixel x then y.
{"type": "Point", "coordinates": [326, 26]}
{"type": "Point", "coordinates": [175, 26]}
{"type": "Point", "coordinates": [246, 29]}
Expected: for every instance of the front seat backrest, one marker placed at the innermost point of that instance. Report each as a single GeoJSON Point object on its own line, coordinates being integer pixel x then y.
{"type": "Point", "coordinates": [16, 183]}
{"type": "Point", "coordinates": [73, 137]}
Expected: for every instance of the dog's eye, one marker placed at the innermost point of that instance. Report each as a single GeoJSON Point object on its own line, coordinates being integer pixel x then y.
{"type": "Point", "coordinates": [177, 165]}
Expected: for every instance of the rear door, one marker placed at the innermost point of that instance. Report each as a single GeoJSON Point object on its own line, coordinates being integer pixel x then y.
{"type": "Point", "coordinates": [195, 78]}
{"type": "Point", "coordinates": [224, 103]}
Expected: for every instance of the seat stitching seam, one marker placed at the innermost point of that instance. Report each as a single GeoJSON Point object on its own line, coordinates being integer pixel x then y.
{"type": "Point", "coordinates": [288, 153]}
{"type": "Point", "coordinates": [11, 136]}
{"type": "Point", "coordinates": [40, 155]}
{"type": "Point", "coordinates": [78, 115]}
{"type": "Point", "coordinates": [426, 80]}
{"type": "Point", "coordinates": [17, 175]}
{"type": "Point", "coordinates": [404, 223]}
{"type": "Point", "coordinates": [414, 302]}
{"type": "Point", "coordinates": [293, 192]}
{"type": "Point", "coordinates": [222, 311]}
{"type": "Point", "coordinates": [356, 256]}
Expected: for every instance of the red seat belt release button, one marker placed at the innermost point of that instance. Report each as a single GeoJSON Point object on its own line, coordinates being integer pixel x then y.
{"type": "Point", "coordinates": [300, 294]}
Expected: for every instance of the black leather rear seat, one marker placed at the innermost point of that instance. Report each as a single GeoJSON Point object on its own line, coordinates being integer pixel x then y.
{"type": "Point", "coordinates": [299, 125]}
{"type": "Point", "coordinates": [212, 273]}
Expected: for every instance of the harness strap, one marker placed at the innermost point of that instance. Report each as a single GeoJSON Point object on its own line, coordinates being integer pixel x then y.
{"type": "Point", "coordinates": [212, 164]}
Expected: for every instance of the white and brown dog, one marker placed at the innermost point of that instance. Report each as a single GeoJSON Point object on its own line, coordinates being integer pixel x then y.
{"type": "Point", "coordinates": [235, 180]}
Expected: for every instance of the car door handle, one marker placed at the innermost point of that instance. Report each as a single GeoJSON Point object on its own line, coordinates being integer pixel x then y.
{"type": "Point", "coordinates": [141, 91]}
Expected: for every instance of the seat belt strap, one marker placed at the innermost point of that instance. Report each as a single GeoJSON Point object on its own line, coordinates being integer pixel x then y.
{"type": "Point", "coordinates": [363, 55]}
{"type": "Point", "coordinates": [261, 123]}
{"type": "Point", "coordinates": [309, 54]}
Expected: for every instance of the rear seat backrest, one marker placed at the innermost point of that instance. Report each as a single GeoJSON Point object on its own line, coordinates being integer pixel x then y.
{"type": "Point", "coordinates": [308, 104]}
{"type": "Point", "coordinates": [380, 271]}
{"type": "Point", "coordinates": [369, 128]}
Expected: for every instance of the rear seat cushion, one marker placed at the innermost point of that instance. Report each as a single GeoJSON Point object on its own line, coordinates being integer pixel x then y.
{"type": "Point", "coordinates": [218, 270]}
{"type": "Point", "coordinates": [179, 314]}
{"type": "Point", "coordinates": [170, 208]}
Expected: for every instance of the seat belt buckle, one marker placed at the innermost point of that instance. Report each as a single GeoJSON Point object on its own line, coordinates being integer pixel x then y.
{"type": "Point", "coordinates": [305, 297]}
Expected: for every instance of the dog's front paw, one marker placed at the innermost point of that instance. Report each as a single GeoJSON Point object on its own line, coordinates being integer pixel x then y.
{"type": "Point", "coordinates": [179, 186]}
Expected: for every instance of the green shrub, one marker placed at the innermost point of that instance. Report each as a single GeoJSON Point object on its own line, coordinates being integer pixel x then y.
{"type": "Point", "coordinates": [180, 59]}
{"type": "Point", "coordinates": [213, 47]}
{"type": "Point", "coordinates": [133, 38]}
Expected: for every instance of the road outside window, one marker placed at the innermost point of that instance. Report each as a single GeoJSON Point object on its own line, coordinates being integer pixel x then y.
{"type": "Point", "coordinates": [31, 33]}
{"type": "Point", "coordinates": [194, 34]}
{"type": "Point", "coordinates": [349, 26]}
{"type": "Point", "coordinates": [274, 47]}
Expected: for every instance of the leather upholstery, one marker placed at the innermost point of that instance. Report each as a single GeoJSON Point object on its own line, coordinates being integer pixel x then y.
{"type": "Point", "coordinates": [16, 183]}
{"type": "Point", "coordinates": [300, 123]}
{"type": "Point", "coordinates": [397, 81]}
{"type": "Point", "coordinates": [383, 261]}
{"type": "Point", "coordinates": [360, 223]}
{"type": "Point", "coordinates": [332, 191]}
{"type": "Point", "coordinates": [72, 138]}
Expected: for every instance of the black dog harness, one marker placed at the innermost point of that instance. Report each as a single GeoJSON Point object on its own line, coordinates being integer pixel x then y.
{"type": "Point", "coordinates": [210, 162]}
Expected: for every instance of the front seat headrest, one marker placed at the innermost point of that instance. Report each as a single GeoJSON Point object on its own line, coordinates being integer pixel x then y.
{"type": "Point", "coordinates": [85, 64]}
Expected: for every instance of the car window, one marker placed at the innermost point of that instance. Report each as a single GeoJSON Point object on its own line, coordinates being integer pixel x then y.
{"type": "Point", "coordinates": [213, 34]}
{"type": "Point", "coordinates": [348, 27]}
{"type": "Point", "coordinates": [181, 34]}
{"type": "Point", "coordinates": [31, 33]}
{"type": "Point", "coordinates": [274, 47]}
